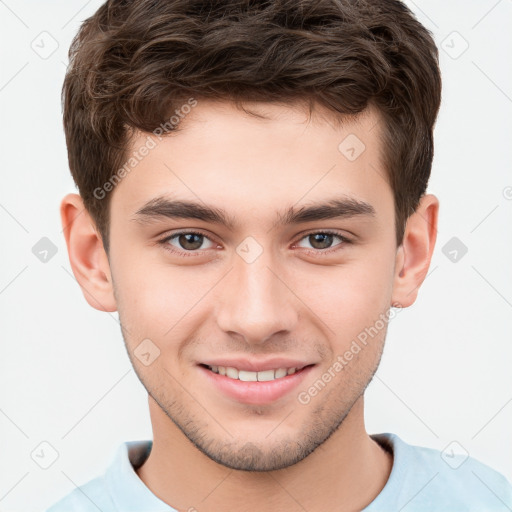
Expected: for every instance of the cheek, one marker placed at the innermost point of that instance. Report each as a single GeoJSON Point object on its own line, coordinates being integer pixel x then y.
{"type": "Point", "coordinates": [347, 298]}
{"type": "Point", "coordinates": [158, 301]}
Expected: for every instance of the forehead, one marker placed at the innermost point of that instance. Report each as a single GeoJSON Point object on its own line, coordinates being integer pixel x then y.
{"type": "Point", "coordinates": [264, 159]}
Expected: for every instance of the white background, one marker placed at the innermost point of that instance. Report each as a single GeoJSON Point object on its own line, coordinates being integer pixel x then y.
{"type": "Point", "coordinates": [65, 377]}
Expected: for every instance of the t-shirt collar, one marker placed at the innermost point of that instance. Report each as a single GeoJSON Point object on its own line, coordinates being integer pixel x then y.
{"type": "Point", "coordinates": [128, 491]}
{"type": "Point", "coordinates": [130, 494]}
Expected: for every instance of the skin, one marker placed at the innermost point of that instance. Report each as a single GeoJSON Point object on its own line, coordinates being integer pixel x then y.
{"type": "Point", "coordinates": [291, 301]}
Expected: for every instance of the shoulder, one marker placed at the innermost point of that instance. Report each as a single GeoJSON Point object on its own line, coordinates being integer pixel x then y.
{"type": "Point", "coordinates": [428, 479]}
{"type": "Point", "coordinates": [119, 488]}
{"type": "Point", "coordinates": [90, 497]}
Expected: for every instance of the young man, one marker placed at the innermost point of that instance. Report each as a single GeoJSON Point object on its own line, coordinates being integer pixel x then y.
{"type": "Point", "coordinates": [252, 179]}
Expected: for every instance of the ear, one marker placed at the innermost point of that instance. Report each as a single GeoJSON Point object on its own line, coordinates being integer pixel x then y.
{"type": "Point", "coordinates": [87, 256]}
{"type": "Point", "coordinates": [414, 254]}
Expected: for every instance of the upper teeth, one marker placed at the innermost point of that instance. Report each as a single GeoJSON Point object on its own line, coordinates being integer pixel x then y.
{"type": "Point", "coordinates": [264, 375]}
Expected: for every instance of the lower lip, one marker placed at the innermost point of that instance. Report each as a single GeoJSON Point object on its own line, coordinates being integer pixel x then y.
{"type": "Point", "coordinates": [257, 393]}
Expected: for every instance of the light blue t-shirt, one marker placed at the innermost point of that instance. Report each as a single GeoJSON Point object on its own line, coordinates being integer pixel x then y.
{"type": "Point", "coordinates": [421, 480]}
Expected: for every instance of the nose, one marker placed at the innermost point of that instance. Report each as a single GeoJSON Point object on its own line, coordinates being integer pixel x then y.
{"type": "Point", "coordinates": [256, 302]}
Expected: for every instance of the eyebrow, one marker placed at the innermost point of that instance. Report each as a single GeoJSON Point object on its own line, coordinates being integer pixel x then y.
{"type": "Point", "coordinates": [162, 207]}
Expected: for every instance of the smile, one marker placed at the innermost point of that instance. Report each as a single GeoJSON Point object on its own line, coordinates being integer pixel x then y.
{"type": "Point", "coordinates": [247, 376]}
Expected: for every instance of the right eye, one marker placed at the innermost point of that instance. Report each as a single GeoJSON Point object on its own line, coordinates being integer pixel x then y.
{"type": "Point", "coordinates": [185, 242]}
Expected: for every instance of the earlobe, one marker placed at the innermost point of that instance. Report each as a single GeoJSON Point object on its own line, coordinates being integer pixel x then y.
{"type": "Point", "coordinates": [87, 255]}
{"type": "Point", "coordinates": [414, 255]}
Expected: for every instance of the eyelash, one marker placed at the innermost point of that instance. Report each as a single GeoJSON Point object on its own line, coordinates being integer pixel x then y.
{"type": "Point", "coordinates": [317, 252]}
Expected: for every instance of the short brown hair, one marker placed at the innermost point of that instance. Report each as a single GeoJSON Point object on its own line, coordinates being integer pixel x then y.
{"type": "Point", "coordinates": [134, 62]}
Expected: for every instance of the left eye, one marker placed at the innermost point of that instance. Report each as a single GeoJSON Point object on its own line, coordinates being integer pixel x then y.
{"type": "Point", "coordinates": [322, 240]}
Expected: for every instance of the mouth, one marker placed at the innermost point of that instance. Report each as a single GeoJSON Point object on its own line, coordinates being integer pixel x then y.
{"type": "Point", "coordinates": [254, 387]}
{"type": "Point", "coordinates": [247, 376]}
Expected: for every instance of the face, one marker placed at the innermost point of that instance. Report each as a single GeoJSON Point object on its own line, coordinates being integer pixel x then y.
{"type": "Point", "coordinates": [256, 277]}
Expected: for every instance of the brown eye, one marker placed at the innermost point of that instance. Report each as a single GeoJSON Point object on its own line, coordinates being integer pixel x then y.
{"type": "Point", "coordinates": [190, 241]}
{"type": "Point", "coordinates": [187, 241]}
{"type": "Point", "coordinates": [321, 241]}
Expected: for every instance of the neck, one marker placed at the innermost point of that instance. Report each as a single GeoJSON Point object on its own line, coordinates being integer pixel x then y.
{"type": "Point", "coordinates": [349, 469]}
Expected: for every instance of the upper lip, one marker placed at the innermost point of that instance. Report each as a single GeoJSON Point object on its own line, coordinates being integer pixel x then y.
{"type": "Point", "coordinates": [253, 365]}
